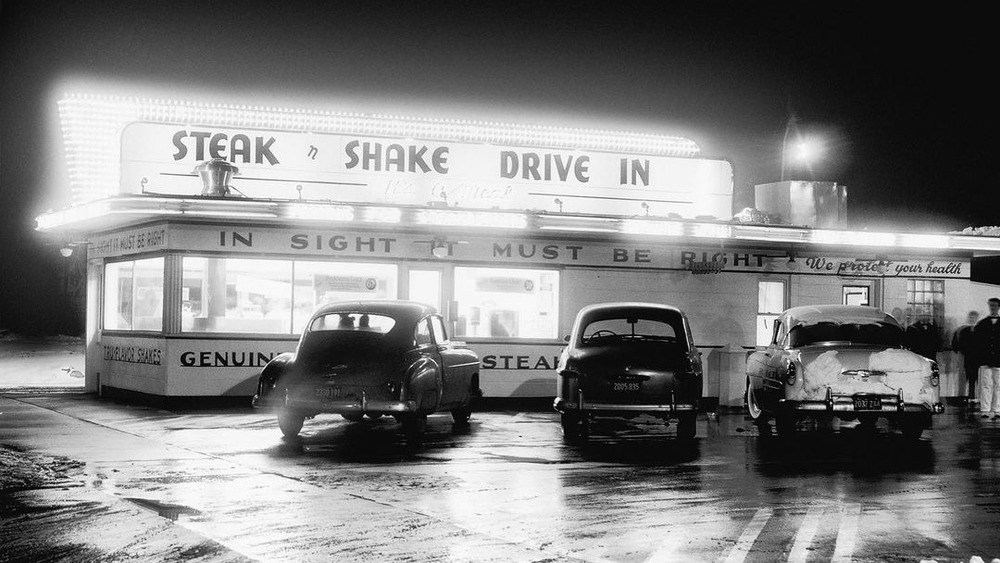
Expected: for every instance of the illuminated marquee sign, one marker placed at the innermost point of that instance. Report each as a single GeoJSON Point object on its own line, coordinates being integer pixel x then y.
{"type": "Point", "coordinates": [160, 158]}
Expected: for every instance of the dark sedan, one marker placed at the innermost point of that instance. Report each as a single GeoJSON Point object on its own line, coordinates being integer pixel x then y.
{"type": "Point", "coordinates": [628, 359]}
{"type": "Point", "coordinates": [372, 359]}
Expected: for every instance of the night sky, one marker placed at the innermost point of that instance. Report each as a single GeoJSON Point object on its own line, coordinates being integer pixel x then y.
{"type": "Point", "coordinates": [901, 96]}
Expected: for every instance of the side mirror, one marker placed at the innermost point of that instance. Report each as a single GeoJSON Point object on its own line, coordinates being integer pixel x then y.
{"type": "Point", "coordinates": [566, 338]}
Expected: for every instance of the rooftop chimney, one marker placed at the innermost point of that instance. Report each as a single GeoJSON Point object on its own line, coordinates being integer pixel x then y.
{"type": "Point", "coordinates": [216, 175]}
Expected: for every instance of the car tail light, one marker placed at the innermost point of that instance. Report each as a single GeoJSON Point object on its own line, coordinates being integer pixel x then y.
{"type": "Point", "coordinates": [935, 375]}
{"type": "Point", "coordinates": [790, 372]}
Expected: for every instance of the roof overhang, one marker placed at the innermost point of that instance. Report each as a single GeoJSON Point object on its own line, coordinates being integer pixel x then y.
{"type": "Point", "coordinates": [121, 211]}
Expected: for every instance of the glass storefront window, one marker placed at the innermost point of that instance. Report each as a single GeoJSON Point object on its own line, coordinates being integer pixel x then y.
{"type": "Point", "coordinates": [507, 303]}
{"type": "Point", "coordinates": [272, 296]}
{"type": "Point", "coordinates": [318, 283]}
{"type": "Point", "coordinates": [133, 295]}
{"type": "Point", "coordinates": [236, 295]}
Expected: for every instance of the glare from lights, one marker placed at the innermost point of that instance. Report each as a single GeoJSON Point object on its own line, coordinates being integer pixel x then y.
{"type": "Point", "coordinates": [320, 212]}
{"type": "Point", "coordinates": [472, 219]}
{"type": "Point", "coordinates": [710, 230]}
{"type": "Point", "coordinates": [577, 229]}
{"type": "Point", "coordinates": [807, 150]}
{"type": "Point", "coordinates": [382, 215]}
{"type": "Point", "coordinates": [645, 227]}
{"type": "Point", "coordinates": [853, 238]}
{"type": "Point", "coordinates": [224, 214]}
{"type": "Point", "coordinates": [924, 240]}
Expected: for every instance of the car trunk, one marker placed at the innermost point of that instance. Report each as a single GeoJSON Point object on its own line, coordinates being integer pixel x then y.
{"type": "Point", "coordinates": [344, 364]}
{"type": "Point", "coordinates": [631, 373]}
{"type": "Point", "coordinates": [863, 370]}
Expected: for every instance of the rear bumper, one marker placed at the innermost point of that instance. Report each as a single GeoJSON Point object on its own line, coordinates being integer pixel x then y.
{"type": "Point", "coordinates": [351, 405]}
{"type": "Point", "coordinates": [891, 405]}
{"type": "Point", "coordinates": [582, 406]}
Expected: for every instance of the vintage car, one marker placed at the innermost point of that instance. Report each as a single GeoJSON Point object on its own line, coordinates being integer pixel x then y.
{"type": "Point", "coordinates": [628, 359]}
{"type": "Point", "coordinates": [840, 361]}
{"type": "Point", "coordinates": [371, 359]}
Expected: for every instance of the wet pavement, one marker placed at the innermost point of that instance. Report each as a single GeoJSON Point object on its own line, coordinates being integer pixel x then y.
{"type": "Point", "coordinates": [148, 484]}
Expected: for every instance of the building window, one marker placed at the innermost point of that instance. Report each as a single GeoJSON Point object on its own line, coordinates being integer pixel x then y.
{"type": "Point", "coordinates": [319, 283]}
{"type": "Point", "coordinates": [770, 304]}
{"type": "Point", "coordinates": [272, 296]}
{"type": "Point", "coordinates": [507, 303]}
{"type": "Point", "coordinates": [856, 295]}
{"type": "Point", "coordinates": [925, 301]}
{"type": "Point", "coordinates": [236, 295]}
{"type": "Point", "coordinates": [133, 295]}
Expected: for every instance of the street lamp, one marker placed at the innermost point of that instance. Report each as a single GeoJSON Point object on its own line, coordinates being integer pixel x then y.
{"type": "Point", "coordinates": [804, 150]}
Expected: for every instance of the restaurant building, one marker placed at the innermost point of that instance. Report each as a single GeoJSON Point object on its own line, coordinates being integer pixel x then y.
{"type": "Point", "coordinates": [212, 232]}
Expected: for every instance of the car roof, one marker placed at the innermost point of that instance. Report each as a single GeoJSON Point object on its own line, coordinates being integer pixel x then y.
{"type": "Point", "coordinates": [397, 309]}
{"type": "Point", "coordinates": [626, 305]}
{"type": "Point", "coordinates": [810, 314]}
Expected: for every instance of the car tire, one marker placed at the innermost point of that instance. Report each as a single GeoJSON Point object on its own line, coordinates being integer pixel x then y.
{"type": "Point", "coordinates": [290, 422]}
{"type": "Point", "coordinates": [785, 425]}
{"type": "Point", "coordinates": [687, 426]}
{"type": "Point", "coordinates": [414, 426]}
{"type": "Point", "coordinates": [866, 424]}
{"type": "Point", "coordinates": [462, 415]}
{"type": "Point", "coordinates": [354, 417]}
{"type": "Point", "coordinates": [913, 428]}
{"type": "Point", "coordinates": [575, 427]}
{"type": "Point", "coordinates": [912, 431]}
{"type": "Point", "coordinates": [757, 415]}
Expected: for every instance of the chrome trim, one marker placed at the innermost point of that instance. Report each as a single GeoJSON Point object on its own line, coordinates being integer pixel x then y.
{"type": "Point", "coordinates": [863, 372]}
{"type": "Point", "coordinates": [563, 405]}
{"type": "Point", "coordinates": [353, 406]}
{"type": "Point", "coordinates": [841, 404]}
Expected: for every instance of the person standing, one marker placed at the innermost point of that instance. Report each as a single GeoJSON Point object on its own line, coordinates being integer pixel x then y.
{"type": "Point", "coordinates": [963, 343]}
{"type": "Point", "coordinates": [987, 335]}
{"type": "Point", "coordinates": [921, 337]}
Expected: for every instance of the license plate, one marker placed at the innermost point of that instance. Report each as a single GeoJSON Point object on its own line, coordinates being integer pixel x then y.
{"type": "Point", "coordinates": [862, 403]}
{"type": "Point", "coordinates": [327, 392]}
{"type": "Point", "coordinates": [625, 386]}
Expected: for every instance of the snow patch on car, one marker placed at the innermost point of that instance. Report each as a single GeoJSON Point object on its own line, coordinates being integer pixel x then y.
{"type": "Point", "coordinates": [903, 370]}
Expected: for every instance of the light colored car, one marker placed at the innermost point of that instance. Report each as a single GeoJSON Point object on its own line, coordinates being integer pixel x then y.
{"type": "Point", "coordinates": [842, 361]}
{"type": "Point", "coordinates": [372, 359]}
{"type": "Point", "coordinates": [628, 359]}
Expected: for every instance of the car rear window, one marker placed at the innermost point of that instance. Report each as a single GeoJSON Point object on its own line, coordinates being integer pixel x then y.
{"type": "Point", "coordinates": [877, 333]}
{"type": "Point", "coordinates": [352, 321]}
{"type": "Point", "coordinates": [624, 328]}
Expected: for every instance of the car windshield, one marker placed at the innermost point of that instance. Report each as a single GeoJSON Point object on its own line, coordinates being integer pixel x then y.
{"type": "Point", "coordinates": [628, 328]}
{"type": "Point", "coordinates": [352, 321]}
{"type": "Point", "coordinates": [877, 333]}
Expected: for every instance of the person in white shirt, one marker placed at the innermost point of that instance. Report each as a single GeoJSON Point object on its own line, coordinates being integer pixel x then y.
{"type": "Point", "coordinates": [987, 336]}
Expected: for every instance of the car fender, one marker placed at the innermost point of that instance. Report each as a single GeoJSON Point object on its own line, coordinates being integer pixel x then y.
{"type": "Point", "coordinates": [423, 384]}
{"type": "Point", "coordinates": [268, 379]}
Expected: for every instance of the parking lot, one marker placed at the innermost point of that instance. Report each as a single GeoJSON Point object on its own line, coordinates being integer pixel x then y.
{"type": "Point", "coordinates": [506, 488]}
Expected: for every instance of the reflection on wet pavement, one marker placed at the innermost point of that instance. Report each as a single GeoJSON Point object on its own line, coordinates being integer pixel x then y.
{"type": "Point", "coordinates": [508, 488]}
